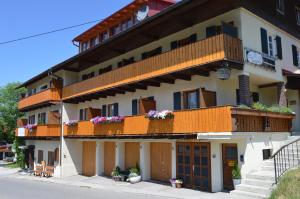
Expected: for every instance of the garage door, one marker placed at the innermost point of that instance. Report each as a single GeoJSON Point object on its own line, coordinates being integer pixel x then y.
{"type": "Point", "coordinates": [89, 158]}
{"type": "Point", "coordinates": [161, 161]}
{"type": "Point", "coordinates": [109, 157]}
{"type": "Point", "coordinates": [132, 154]}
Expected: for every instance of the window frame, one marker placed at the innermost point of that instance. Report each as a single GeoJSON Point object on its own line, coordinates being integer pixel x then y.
{"type": "Point", "coordinates": [83, 114]}
{"type": "Point", "coordinates": [31, 119]}
{"type": "Point", "coordinates": [185, 100]}
{"type": "Point", "coordinates": [42, 118]}
{"type": "Point", "coordinates": [280, 7]}
{"type": "Point", "coordinates": [110, 110]}
{"type": "Point", "coordinates": [297, 13]}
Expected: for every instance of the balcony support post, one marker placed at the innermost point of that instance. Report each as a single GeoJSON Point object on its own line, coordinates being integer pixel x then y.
{"type": "Point", "coordinates": [120, 155]}
{"type": "Point", "coordinates": [244, 89]}
{"type": "Point", "coordinates": [145, 160]}
{"type": "Point", "coordinates": [99, 158]}
{"type": "Point", "coordinates": [281, 94]}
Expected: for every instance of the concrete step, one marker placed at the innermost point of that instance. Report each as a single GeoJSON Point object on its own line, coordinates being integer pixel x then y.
{"type": "Point", "coordinates": [254, 189]}
{"type": "Point", "coordinates": [237, 194]}
{"type": "Point", "coordinates": [268, 163]}
{"type": "Point", "coordinates": [262, 175]}
{"type": "Point", "coordinates": [261, 183]}
{"type": "Point", "coordinates": [267, 168]}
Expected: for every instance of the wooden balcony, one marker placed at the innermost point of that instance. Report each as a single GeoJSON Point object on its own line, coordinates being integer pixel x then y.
{"type": "Point", "coordinates": [217, 119]}
{"type": "Point", "coordinates": [196, 58]}
{"type": "Point", "coordinates": [41, 131]}
{"type": "Point", "coordinates": [49, 96]}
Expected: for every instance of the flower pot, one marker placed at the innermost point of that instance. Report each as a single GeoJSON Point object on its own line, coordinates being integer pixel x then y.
{"type": "Point", "coordinates": [178, 185]}
{"type": "Point", "coordinates": [173, 185]}
{"type": "Point", "coordinates": [236, 182]}
{"type": "Point", "coordinates": [136, 179]}
{"type": "Point", "coordinates": [117, 178]}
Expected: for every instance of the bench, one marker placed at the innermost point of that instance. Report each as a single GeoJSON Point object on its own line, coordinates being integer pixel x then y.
{"type": "Point", "coordinates": [39, 169]}
{"type": "Point", "coordinates": [49, 171]}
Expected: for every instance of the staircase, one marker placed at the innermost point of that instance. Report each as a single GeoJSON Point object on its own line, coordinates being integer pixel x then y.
{"type": "Point", "coordinates": [259, 184]}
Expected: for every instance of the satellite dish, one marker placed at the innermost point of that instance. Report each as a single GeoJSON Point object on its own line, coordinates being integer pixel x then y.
{"type": "Point", "coordinates": [142, 13]}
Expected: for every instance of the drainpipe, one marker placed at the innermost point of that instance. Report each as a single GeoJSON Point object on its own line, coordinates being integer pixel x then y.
{"type": "Point", "coordinates": [61, 139]}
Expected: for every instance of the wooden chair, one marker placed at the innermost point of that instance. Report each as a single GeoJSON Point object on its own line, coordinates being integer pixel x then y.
{"type": "Point", "coordinates": [49, 171]}
{"type": "Point", "coordinates": [39, 169]}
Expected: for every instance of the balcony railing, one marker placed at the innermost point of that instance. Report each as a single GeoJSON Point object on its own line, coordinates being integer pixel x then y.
{"type": "Point", "coordinates": [217, 119]}
{"type": "Point", "coordinates": [47, 130]}
{"type": "Point", "coordinates": [214, 49]}
{"type": "Point", "coordinates": [44, 97]}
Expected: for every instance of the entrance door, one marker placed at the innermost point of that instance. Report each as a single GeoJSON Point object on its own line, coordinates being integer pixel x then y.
{"type": "Point", "coordinates": [31, 157]}
{"type": "Point", "coordinates": [161, 161]}
{"type": "Point", "coordinates": [109, 157]}
{"type": "Point", "coordinates": [193, 165]}
{"type": "Point", "coordinates": [89, 158]}
{"type": "Point", "coordinates": [230, 158]}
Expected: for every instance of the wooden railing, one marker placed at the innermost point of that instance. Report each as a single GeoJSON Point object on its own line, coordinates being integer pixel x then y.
{"type": "Point", "coordinates": [47, 130]}
{"type": "Point", "coordinates": [217, 48]}
{"type": "Point", "coordinates": [48, 95]}
{"type": "Point", "coordinates": [217, 119]}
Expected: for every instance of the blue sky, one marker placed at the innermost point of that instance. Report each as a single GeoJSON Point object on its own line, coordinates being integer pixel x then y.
{"type": "Point", "coordinates": [22, 60]}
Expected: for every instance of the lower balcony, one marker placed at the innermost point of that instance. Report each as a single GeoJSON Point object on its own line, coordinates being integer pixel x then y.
{"type": "Point", "coordinates": [187, 123]}
{"type": "Point", "coordinates": [40, 131]}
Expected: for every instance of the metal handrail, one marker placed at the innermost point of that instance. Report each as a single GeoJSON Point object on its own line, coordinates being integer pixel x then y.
{"type": "Point", "coordinates": [287, 157]}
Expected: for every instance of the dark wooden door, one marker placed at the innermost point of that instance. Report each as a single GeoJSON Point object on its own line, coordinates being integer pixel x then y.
{"type": "Point", "coordinates": [31, 157]}
{"type": "Point", "coordinates": [193, 165]}
{"type": "Point", "coordinates": [230, 158]}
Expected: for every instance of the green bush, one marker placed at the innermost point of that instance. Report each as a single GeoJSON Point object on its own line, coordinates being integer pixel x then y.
{"type": "Point", "coordinates": [259, 106]}
{"type": "Point", "coordinates": [116, 172]}
{"type": "Point", "coordinates": [20, 153]}
{"type": "Point", "coordinates": [242, 106]}
{"type": "Point", "coordinates": [236, 172]}
{"type": "Point", "coordinates": [280, 109]}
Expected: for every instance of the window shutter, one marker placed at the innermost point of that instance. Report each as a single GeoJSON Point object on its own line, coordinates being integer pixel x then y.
{"type": "Point", "coordinates": [144, 55]}
{"type": "Point", "coordinates": [193, 38]}
{"type": "Point", "coordinates": [177, 101]}
{"type": "Point", "coordinates": [134, 107]}
{"type": "Point", "coordinates": [229, 30]}
{"type": "Point", "coordinates": [279, 47]}
{"type": "Point", "coordinates": [238, 97]}
{"type": "Point", "coordinates": [174, 45]}
{"type": "Point", "coordinates": [158, 50]}
{"type": "Point", "coordinates": [264, 41]}
{"type": "Point", "coordinates": [295, 55]}
{"type": "Point", "coordinates": [211, 31]}
{"type": "Point", "coordinates": [198, 97]}
{"type": "Point", "coordinates": [103, 110]}
{"type": "Point", "coordinates": [116, 109]}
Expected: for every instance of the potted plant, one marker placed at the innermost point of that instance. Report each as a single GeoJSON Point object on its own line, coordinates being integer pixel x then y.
{"type": "Point", "coordinates": [134, 176]}
{"type": "Point", "coordinates": [236, 175]}
{"type": "Point", "coordinates": [115, 174]}
{"type": "Point", "coordinates": [176, 183]}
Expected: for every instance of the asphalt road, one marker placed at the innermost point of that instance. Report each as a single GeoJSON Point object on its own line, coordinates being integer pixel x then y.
{"type": "Point", "coordinates": [11, 188]}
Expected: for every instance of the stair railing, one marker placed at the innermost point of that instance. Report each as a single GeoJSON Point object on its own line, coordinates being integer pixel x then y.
{"type": "Point", "coordinates": [287, 157]}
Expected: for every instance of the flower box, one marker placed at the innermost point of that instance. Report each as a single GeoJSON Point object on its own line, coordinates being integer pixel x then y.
{"type": "Point", "coordinates": [176, 183]}
{"type": "Point", "coordinates": [72, 123]}
{"type": "Point", "coordinates": [159, 115]}
{"type": "Point", "coordinates": [107, 120]}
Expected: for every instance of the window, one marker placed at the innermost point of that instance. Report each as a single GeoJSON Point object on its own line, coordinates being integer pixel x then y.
{"type": "Point", "coordinates": [124, 26]}
{"type": "Point", "coordinates": [152, 53]}
{"type": "Point", "coordinates": [105, 36]}
{"type": "Point", "coordinates": [191, 99]}
{"type": "Point", "coordinates": [129, 23]}
{"type": "Point", "coordinates": [42, 118]}
{"type": "Point", "coordinates": [280, 6]}
{"type": "Point", "coordinates": [44, 87]}
{"type": "Point", "coordinates": [40, 156]}
{"type": "Point", "coordinates": [84, 46]}
{"type": "Point", "coordinates": [83, 114]}
{"type": "Point", "coordinates": [112, 110]}
{"type": "Point", "coordinates": [298, 16]}
{"type": "Point", "coordinates": [105, 70]}
{"type": "Point", "coordinates": [93, 42]}
{"type": "Point", "coordinates": [266, 154]}
{"type": "Point", "coordinates": [56, 158]}
{"type": "Point", "coordinates": [51, 158]}
{"type": "Point", "coordinates": [88, 76]}
{"type": "Point", "coordinates": [270, 44]}
{"type": "Point", "coordinates": [31, 119]}
{"type": "Point", "coordinates": [115, 30]}
{"type": "Point", "coordinates": [183, 42]}
{"type": "Point", "coordinates": [125, 62]}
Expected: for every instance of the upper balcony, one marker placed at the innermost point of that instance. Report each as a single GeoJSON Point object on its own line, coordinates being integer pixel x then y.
{"type": "Point", "coordinates": [187, 123]}
{"type": "Point", "coordinates": [40, 131]}
{"type": "Point", "coordinates": [198, 58]}
{"type": "Point", "coordinates": [44, 98]}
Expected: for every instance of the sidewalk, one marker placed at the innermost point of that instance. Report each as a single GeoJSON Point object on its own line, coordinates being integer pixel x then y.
{"type": "Point", "coordinates": [5, 171]}
{"type": "Point", "coordinates": [145, 188]}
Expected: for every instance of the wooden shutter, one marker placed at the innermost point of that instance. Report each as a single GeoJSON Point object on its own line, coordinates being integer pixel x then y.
{"type": "Point", "coordinates": [208, 98]}
{"type": "Point", "coordinates": [56, 155]}
{"type": "Point", "coordinates": [40, 156]}
{"type": "Point", "coordinates": [177, 101]}
{"type": "Point", "coordinates": [51, 157]}
{"type": "Point", "coordinates": [264, 41]}
{"type": "Point", "coordinates": [174, 45]}
{"type": "Point", "coordinates": [238, 97]}
{"type": "Point", "coordinates": [104, 110]}
{"type": "Point", "coordinates": [134, 107]}
{"type": "Point", "coordinates": [211, 31]}
{"type": "Point", "coordinates": [54, 117]}
{"type": "Point", "coordinates": [198, 97]}
{"type": "Point", "coordinates": [279, 47]}
{"type": "Point", "coordinates": [147, 105]}
{"type": "Point", "coordinates": [295, 55]}
{"type": "Point", "coordinates": [116, 109]}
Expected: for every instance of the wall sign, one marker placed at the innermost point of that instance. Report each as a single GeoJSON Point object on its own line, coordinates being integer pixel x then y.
{"type": "Point", "coordinates": [255, 58]}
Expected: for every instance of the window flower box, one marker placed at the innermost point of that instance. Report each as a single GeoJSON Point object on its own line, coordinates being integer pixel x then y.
{"type": "Point", "coordinates": [160, 115]}
{"type": "Point", "coordinates": [175, 183]}
{"type": "Point", "coordinates": [107, 120]}
{"type": "Point", "coordinates": [72, 123]}
{"type": "Point", "coordinates": [30, 127]}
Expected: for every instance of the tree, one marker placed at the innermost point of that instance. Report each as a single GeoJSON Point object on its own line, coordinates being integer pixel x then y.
{"type": "Point", "coordinates": [9, 113]}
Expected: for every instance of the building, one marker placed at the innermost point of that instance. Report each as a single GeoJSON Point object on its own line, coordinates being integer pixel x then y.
{"type": "Point", "coordinates": [191, 57]}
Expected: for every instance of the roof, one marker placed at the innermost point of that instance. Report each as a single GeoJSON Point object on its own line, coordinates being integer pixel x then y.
{"type": "Point", "coordinates": [115, 18]}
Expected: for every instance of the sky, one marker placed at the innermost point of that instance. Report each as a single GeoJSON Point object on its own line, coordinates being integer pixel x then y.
{"type": "Point", "coordinates": [22, 60]}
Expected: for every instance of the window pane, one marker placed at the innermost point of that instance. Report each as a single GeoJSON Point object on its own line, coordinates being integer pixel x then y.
{"type": "Point", "coordinates": [192, 100]}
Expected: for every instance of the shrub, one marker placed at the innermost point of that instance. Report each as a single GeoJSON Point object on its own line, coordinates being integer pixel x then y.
{"type": "Point", "coordinates": [236, 172]}
{"type": "Point", "coordinates": [242, 106]}
{"type": "Point", "coordinates": [116, 172]}
{"type": "Point", "coordinates": [259, 106]}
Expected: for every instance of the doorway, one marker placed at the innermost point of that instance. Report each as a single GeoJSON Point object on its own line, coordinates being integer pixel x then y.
{"type": "Point", "coordinates": [194, 165]}
{"type": "Point", "coordinates": [230, 158]}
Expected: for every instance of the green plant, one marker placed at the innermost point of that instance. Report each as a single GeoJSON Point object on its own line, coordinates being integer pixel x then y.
{"type": "Point", "coordinates": [242, 106]}
{"type": "Point", "coordinates": [116, 172]}
{"type": "Point", "coordinates": [280, 109]}
{"type": "Point", "coordinates": [236, 172]}
{"type": "Point", "coordinates": [259, 106]}
{"type": "Point", "coordinates": [20, 153]}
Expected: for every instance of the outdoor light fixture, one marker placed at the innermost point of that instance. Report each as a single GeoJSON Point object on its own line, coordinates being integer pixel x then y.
{"type": "Point", "coordinates": [224, 72]}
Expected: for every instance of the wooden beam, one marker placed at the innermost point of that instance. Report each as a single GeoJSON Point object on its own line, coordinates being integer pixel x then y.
{"type": "Point", "coordinates": [165, 80]}
{"type": "Point", "coordinates": [127, 89]}
{"type": "Point", "coordinates": [182, 76]}
{"type": "Point", "coordinates": [140, 86]}
{"type": "Point", "coordinates": [151, 83]}
{"type": "Point", "coordinates": [268, 85]}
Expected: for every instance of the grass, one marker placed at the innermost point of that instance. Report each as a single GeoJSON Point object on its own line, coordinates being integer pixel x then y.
{"type": "Point", "coordinates": [288, 187]}
{"type": "Point", "coordinates": [12, 166]}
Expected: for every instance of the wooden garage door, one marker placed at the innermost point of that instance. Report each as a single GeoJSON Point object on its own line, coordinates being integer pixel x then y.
{"type": "Point", "coordinates": [89, 158]}
{"type": "Point", "coordinates": [161, 161]}
{"type": "Point", "coordinates": [132, 154]}
{"type": "Point", "coordinates": [109, 157]}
